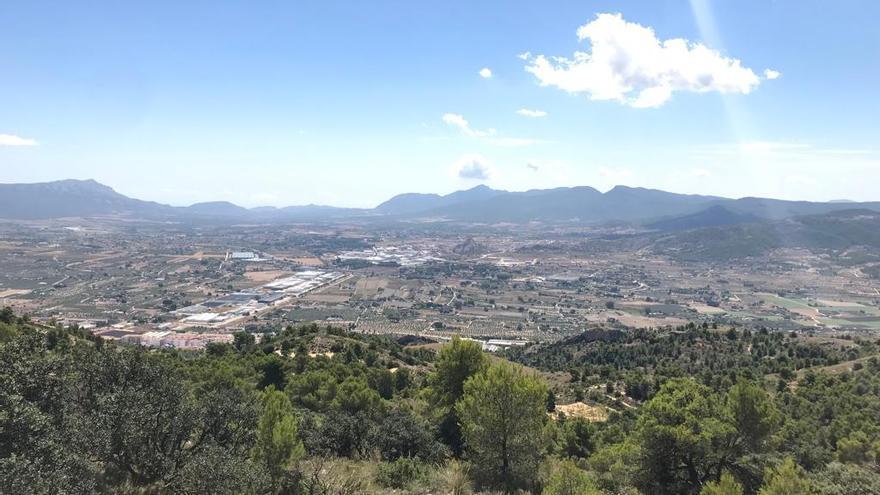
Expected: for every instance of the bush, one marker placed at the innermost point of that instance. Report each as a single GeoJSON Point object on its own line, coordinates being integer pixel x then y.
{"type": "Point", "coordinates": [568, 479]}
{"type": "Point", "coordinates": [400, 473]}
{"type": "Point", "coordinates": [401, 434]}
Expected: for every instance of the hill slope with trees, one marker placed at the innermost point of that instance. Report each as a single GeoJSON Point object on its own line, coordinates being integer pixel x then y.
{"type": "Point", "coordinates": [321, 411]}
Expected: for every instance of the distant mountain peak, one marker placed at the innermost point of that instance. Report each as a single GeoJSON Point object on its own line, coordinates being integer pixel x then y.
{"type": "Point", "coordinates": [480, 187]}
{"type": "Point", "coordinates": [621, 188]}
{"type": "Point", "coordinates": [85, 185]}
{"type": "Point", "coordinates": [68, 198]}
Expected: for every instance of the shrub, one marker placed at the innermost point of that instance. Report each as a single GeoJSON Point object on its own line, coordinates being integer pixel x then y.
{"type": "Point", "coordinates": [400, 473]}
{"type": "Point", "coordinates": [568, 479]}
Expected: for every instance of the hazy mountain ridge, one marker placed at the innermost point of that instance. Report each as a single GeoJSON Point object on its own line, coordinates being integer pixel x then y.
{"type": "Point", "coordinates": [713, 216]}
{"type": "Point", "coordinates": [834, 230]}
{"type": "Point", "coordinates": [70, 198]}
{"type": "Point", "coordinates": [411, 203]}
{"type": "Point", "coordinates": [652, 208]}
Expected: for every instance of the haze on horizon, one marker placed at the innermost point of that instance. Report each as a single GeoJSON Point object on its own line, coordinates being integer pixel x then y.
{"type": "Point", "coordinates": [345, 104]}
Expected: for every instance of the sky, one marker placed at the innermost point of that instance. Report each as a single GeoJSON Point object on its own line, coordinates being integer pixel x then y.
{"type": "Point", "coordinates": [349, 103]}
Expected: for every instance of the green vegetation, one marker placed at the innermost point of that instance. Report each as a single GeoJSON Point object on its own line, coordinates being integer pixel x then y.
{"type": "Point", "coordinates": [726, 485]}
{"type": "Point", "coordinates": [502, 414]}
{"type": "Point", "coordinates": [638, 361]}
{"type": "Point", "coordinates": [319, 411]}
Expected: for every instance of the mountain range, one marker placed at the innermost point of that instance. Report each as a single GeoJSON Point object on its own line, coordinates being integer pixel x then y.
{"type": "Point", "coordinates": [648, 208]}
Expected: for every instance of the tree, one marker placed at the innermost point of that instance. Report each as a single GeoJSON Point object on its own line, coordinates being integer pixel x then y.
{"type": "Point", "coordinates": [383, 382]}
{"type": "Point", "coordinates": [402, 379]}
{"type": "Point", "coordinates": [786, 479]}
{"type": "Point", "coordinates": [551, 401]}
{"type": "Point", "coordinates": [845, 479]}
{"type": "Point", "coordinates": [353, 396]}
{"type": "Point", "coordinates": [93, 419]}
{"type": "Point", "coordinates": [272, 370]}
{"type": "Point", "coordinates": [577, 437]}
{"type": "Point", "coordinates": [617, 466]}
{"type": "Point", "coordinates": [401, 434]}
{"type": "Point", "coordinates": [457, 361]}
{"type": "Point", "coordinates": [243, 341]}
{"type": "Point", "coordinates": [568, 479]}
{"type": "Point", "coordinates": [727, 485]}
{"type": "Point", "coordinates": [277, 443]}
{"type": "Point", "coordinates": [858, 449]}
{"type": "Point", "coordinates": [682, 433]}
{"type": "Point", "coordinates": [342, 434]}
{"type": "Point", "coordinates": [754, 415]}
{"type": "Point", "coordinates": [7, 315]}
{"type": "Point", "coordinates": [502, 415]}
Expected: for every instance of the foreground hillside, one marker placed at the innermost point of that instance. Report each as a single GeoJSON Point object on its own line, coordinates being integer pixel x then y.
{"type": "Point", "coordinates": [321, 411]}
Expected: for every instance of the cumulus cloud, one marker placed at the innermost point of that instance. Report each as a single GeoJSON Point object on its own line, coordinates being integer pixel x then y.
{"type": "Point", "coordinates": [485, 73]}
{"type": "Point", "coordinates": [473, 167]}
{"type": "Point", "coordinates": [771, 74]}
{"type": "Point", "coordinates": [524, 55]}
{"type": "Point", "coordinates": [525, 112]}
{"type": "Point", "coordinates": [11, 140]}
{"type": "Point", "coordinates": [627, 63]}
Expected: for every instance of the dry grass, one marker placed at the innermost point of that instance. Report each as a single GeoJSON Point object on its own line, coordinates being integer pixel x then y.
{"type": "Point", "coordinates": [596, 414]}
{"type": "Point", "coordinates": [310, 261]}
{"type": "Point", "coordinates": [455, 479]}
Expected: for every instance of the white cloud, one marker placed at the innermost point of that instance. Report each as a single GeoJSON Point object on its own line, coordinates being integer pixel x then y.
{"type": "Point", "coordinates": [525, 112]}
{"type": "Point", "coordinates": [10, 140]}
{"type": "Point", "coordinates": [629, 64]}
{"type": "Point", "coordinates": [473, 167]}
{"type": "Point", "coordinates": [534, 167]}
{"type": "Point", "coordinates": [485, 73]}
{"type": "Point", "coordinates": [488, 135]}
{"type": "Point", "coordinates": [456, 120]}
{"type": "Point", "coordinates": [524, 55]}
{"type": "Point", "coordinates": [771, 74]}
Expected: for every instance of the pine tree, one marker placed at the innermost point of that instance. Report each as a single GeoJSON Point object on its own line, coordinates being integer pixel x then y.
{"type": "Point", "coordinates": [277, 443]}
{"type": "Point", "coordinates": [502, 415]}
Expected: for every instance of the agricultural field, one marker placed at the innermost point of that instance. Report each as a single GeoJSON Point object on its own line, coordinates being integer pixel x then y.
{"type": "Point", "coordinates": [540, 285]}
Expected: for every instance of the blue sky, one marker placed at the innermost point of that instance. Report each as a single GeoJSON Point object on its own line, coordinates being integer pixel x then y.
{"type": "Point", "coordinates": [348, 103]}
